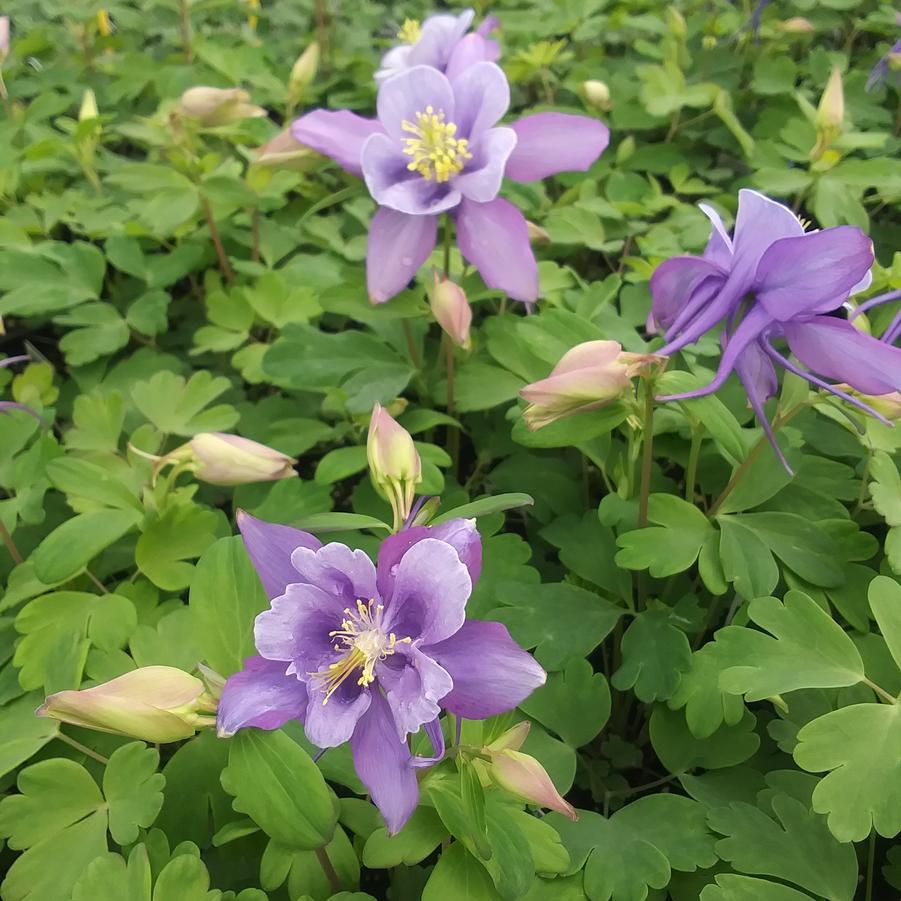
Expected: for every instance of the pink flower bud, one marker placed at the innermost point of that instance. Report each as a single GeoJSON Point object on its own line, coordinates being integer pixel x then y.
{"type": "Point", "coordinates": [525, 777]}
{"type": "Point", "coordinates": [285, 151]}
{"type": "Point", "coordinates": [590, 376]}
{"type": "Point", "coordinates": [798, 25]}
{"type": "Point", "coordinates": [537, 235]}
{"type": "Point", "coordinates": [831, 111]}
{"type": "Point", "coordinates": [889, 405]}
{"type": "Point", "coordinates": [153, 703]}
{"type": "Point", "coordinates": [393, 462]}
{"type": "Point", "coordinates": [451, 310]}
{"type": "Point", "coordinates": [4, 37]}
{"type": "Point", "coordinates": [222, 459]}
{"type": "Point", "coordinates": [218, 106]}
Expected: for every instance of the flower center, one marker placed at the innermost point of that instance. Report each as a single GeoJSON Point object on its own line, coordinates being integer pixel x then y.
{"type": "Point", "coordinates": [410, 33]}
{"type": "Point", "coordinates": [435, 152]}
{"type": "Point", "coordinates": [363, 643]}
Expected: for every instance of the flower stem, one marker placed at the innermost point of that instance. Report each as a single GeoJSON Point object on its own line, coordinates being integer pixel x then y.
{"type": "Point", "coordinates": [186, 31]}
{"type": "Point", "coordinates": [96, 581]}
{"type": "Point", "coordinates": [224, 265]}
{"type": "Point", "coordinates": [10, 544]}
{"type": "Point", "coordinates": [448, 236]}
{"type": "Point", "coordinates": [880, 691]}
{"type": "Point", "coordinates": [327, 868]}
{"type": "Point", "coordinates": [647, 453]}
{"type": "Point", "coordinates": [83, 748]}
{"type": "Point", "coordinates": [453, 433]}
{"type": "Point", "coordinates": [255, 230]}
{"type": "Point", "coordinates": [411, 346]}
{"type": "Point", "coordinates": [691, 472]}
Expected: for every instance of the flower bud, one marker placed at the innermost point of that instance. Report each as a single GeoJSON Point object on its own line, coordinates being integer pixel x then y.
{"type": "Point", "coordinates": [451, 310]}
{"type": "Point", "coordinates": [218, 106]}
{"type": "Point", "coordinates": [88, 107]}
{"type": "Point", "coordinates": [888, 405]}
{"type": "Point", "coordinates": [4, 38]}
{"type": "Point", "coordinates": [596, 94]}
{"type": "Point", "coordinates": [222, 459]}
{"type": "Point", "coordinates": [590, 376]}
{"type": "Point", "coordinates": [153, 703]}
{"type": "Point", "coordinates": [798, 25]}
{"type": "Point", "coordinates": [831, 111]}
{"type": "Point", "coordinates": [677, 23]}
{"type": "Point", "coordinates": [304, 70]}
{"type": "Point", "coordinates": [393, 462]}
{"type": "Point", "coordinates": [536, 233]}
{"type": "Point", "coordinates": [104, 26]}
{"type": "Point", "coordinates": [285, 151]}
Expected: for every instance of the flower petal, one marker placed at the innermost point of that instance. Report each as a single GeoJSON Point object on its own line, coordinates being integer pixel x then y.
{"type": "Point", "coordinates": [813, 273]}
{"type": "Point", "coordinates": [431, 588]}
{"type": "Point", "coordinates": [383, 763]}
{"type": "Point", "coordinates": [393, 185]}
{"type": "Point", "coordinates": [682, 287]}
{"type": "Point", "coordinates": [474, 48]}
{"type": "Point", "coordinates": [346, 574]}
{"type": "Point", "coordinates": [260, 695]}
{"type": "Point", "coordinates": [413, 684]}
{"type": "Point", "coordinates": [494, 238]}
{"type": "Point", "coordinates": [491, 672]}
{"type": "Point", "coordinates": [440, 35]}
{"type": "Point", "coordinates": [835, 349]}
{"type": "Point", "coordinates": [757, 374]}
{"type": "Point", "coordinates": [410, 92]}
{"type": "Point", "coordinates": [337, 134]}
{"type": "Point", "coordinates": [719, 246]}
{"type": "Point", "coordinates": [758, 223]}
{"type": "Point", "coordinates": [549, 143]}
{"type": "Point", "coordinates": [482, 96]}
{"type": "Point", "coordinates": [398, 245]}
{"type": "Point", "coordinates": [331, 723]}
{"type": "Point", "coordinates": [481, 179]}
{"type": "Point", "coordinates": [269, 547]}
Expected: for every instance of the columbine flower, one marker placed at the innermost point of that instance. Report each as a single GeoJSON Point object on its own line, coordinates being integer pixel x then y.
{"type": "Point", "coordinates": [153, 703]}
{"type": "Point", "coordinates": [773, 281]}
{"type": "Point", "coordinates": [589, 376]}
{"type": "Point", "coordinates": [441, 42]}
{"type": "Point", "coordinates": [436, 148]}
{"type": "Point", "coordinates": [372, 654]}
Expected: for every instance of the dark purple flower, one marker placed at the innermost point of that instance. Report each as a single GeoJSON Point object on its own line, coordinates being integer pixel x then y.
{"type": "Point", "coordinates": [436, 148]}
{"type": "Point", "coordinates": [441, 42]}
{"type": "Point", "coordinates": [373, 654]}
{"type": "Point", "coordinates": [772, 281]}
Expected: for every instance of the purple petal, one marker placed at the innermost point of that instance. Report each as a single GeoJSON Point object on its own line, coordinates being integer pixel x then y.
{"type": "Point", "coordinates": [758, 223]}
{"type": "Point", "coordinates": [440, 35]}
{"type": "Point", "coordinates": [461, 534]}
{"type": "Point", "coordinates": [337, 134]}
{"type": "Point", "coordinates": [398, 245]}
{"type": "Point", "coordinates": [719, 246]}
{"type": "Point", "coordinates": [436, 737]}
{"type": "Point", "coordinates": [494, 238]}
{"type": "Point", "coordinates": [431, 588]}
{"type": "Point", "coordinates": [682, 287]}
{"type": "Point", "coordinates": [260, 695]}
{"type": "Point", "coordinates": [383, 763]}
{"type": "Point", "coordinates": [331, 723]}
{"type": "Point", "coordinates": [813, 273]}
{"type": "Point", "coordinates": [474, 48]}
{"type": "Point", "coordinates": [404, 95]}
{"type": "Point", "coordinates": [393, 185]}
{"type": "Point", "coordinates": [269, 547]}
{"type": "Point", "coordinates": [491, 672]}
{"type": "Point", "coordinates": [481, 97]}
{"type": "Point", "coordinates": [339, 571]}
{"type": "Point", "coordinates": [555, 142]}
{"type": "Point", "coordinates": [481, 178]}
{"type": "Point", "coordinates": [835, 349]}
{"type": "Point", "coordinates": [490, 23]}
{"type": "Point", "coordinates": [413, 684]}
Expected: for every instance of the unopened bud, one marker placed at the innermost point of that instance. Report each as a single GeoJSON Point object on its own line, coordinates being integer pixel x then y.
{"type": "Point", "coordinates": [677, 23]}
{"type": "Point", "coordinates": [88, 107]}
{"type": "Point", "coordinates": [887, 405]}
{"type": "Point", "coordinates": [451, 310]}
{"type": "Point", "coordinates": [393, 462]}
{"type": "Point", "coordinates": [830, 115]}
{"type": "Point", "coordinates": [104, 26]}
{"type": "Point", "coordinates": [284, 151]}
{"type": "Point", "coordinates": [218, 106]}
{"type": "Point", "coordinates": [709, 41]}
{"type": "Point", "coordinates": [536, 233]}
{"type": "Point", "coordinates": [596, 94]}
{"type": "Point", "coordinates": [304, 70]}
{"type": "Point", "coordinates": [798, 25]}
{"type": "Point", "coordinates": [4, 37]}
{"type": "Point", "coordinates": [153, 703]}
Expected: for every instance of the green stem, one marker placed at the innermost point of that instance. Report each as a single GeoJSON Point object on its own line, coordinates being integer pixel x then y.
{"type": "Point", "coordinates": [83, 748]}
{"type": "Point", "coordinates": [327, 868]}
{"type": "Point", "coordinates": [96, 581]}
{"type": "Point", "coordinates": [453, 433]}
{"type": "Point", "coordinates": [691, 472]}
{"type": "Point", "coordinates": [224, 265]}
{"type": "Point", "coordinates": [10, 544]}
{"type": "Point", "coordinates": [871, 860]}
{"type": "Point", "coordinates": [647, 453]}
{"type": "Point", "coordinates": [186, 32]}
{"type": "Point", "coordinates": [880, 691]}
{"type": "Point", "coordinates": [411, 346]}
{"type": "Point", "coordinates": [448, 238]}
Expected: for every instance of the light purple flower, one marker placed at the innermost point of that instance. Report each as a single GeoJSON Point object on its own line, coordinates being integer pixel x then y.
{"type": "Point", "coordinates": [888, 63]}
{"type": "Point", "coordinates": [772, 281]}
{"type": "Point", "coordinates": [441, 42]}
{"type": "Point", "coordinates": [436, 148]}
{"type": "Point", "coordinates": [373, 654]}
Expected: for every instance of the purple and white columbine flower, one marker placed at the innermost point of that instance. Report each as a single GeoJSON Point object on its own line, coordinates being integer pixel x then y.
{"type": "Point", "coordinates": [372, 654]}
{"type": "Point", "coordinates": [772, 280]}
{"type": "Point", "coordinates": [436, 148]}
{"type": "Point", "coordinates": [441, 42]}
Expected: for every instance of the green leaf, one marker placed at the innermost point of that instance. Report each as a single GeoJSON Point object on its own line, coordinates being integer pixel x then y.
{"type": "Point", "coordinates": [180, 407]}
{"type": "Point", "coordinates": [69, 548]}
{"type": "Point", "coordinates": [180, 534]}
{"type": "Point", "coordinates": [639, 846]}
{"type": "Point", "coordinates": [798, 848]}
{"type": "Point", "coordinates": [858, 745]}
{"type": "Point", "coordinates": [571, 431]}
{"type": "Point", "coordinates": [747, 562]}
{"type": "Point", "coordinates": [275, 782]}
{"type": "Point", "coordinates": [100, 331]}
{"type": "Point", "coordinates": [730, 887]}
{"type": "Point", "coordinates": [184, 878]}
{"type": "Point", "coordinates": [84, 481]}
{"type": "Point", "coordinates": [485, 506]}
{"type": "Point", "coordinates": [341, 463]}
{"type": "Point", "coordinates": [806, 649]}
{"type": "Point", "coordinates": [680, 751]}
{"type": "Point", "coordinates": [339, 522]}
{"type": "Point", "coordinates": [416, 841]}
{"type": "Point", "coordinates": [171, 642]}
{"type": "Point", "coordinates": [98, 419]}
{"type": "Point", "coordinates": [23, 734]}
{"type": "Point", "coordinates": [574, 703]}
{"type": "Point", "coordinates": [133, 790]}
{"type": "Point", "coordinates": [459, 875]}
{"type": "Point", "coordinates": [655, 654]}
{"type": "Point", "coordinates": [226, 595]}
{"type": "Point", "coordinates": [109, 878]}
{"type": "Point", "coordinates": [885, 602]}
{"type": "Point", "coordinates": [560, 621]}
{"type": "Point", "coordinates": [885, 489]}
{"type": "Point", "coordinates": [481, 386]}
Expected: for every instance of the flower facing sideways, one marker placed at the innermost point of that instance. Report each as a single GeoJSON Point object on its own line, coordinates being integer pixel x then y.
{"type": "Point", "coordinates": [372, 654]}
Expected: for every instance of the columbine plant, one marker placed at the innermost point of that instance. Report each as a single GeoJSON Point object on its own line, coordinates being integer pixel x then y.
{"type": "Point", "coordinates": [436, 148]}
{"type": "Point", "coordinates": [371, 655]}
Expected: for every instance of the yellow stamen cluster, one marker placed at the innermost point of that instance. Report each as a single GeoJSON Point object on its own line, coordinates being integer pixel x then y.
{"type": "Point", "coordinates": [435, 151]}
{"type": "Point", "coordinates": [410, 33]}
{"type": "Point", "coordinates": [364, 642]}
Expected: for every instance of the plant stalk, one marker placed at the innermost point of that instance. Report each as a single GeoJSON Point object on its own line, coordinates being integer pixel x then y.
{"type": "Point", "coordinates": [224, 265]}
{"type": "Point", "coordinates": [330, 873]}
